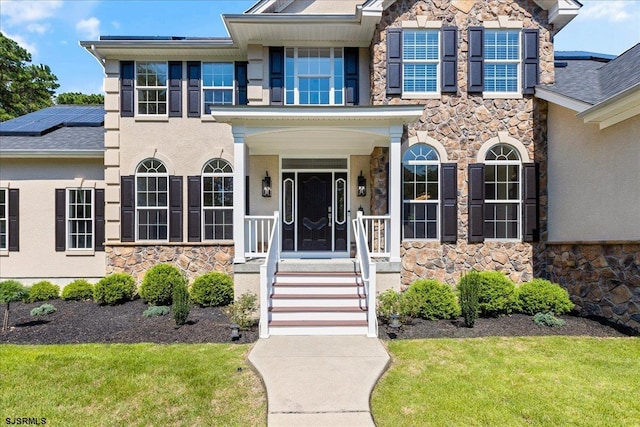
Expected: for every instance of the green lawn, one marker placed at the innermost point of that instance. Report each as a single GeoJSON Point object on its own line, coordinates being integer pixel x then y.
{"type": "Point", "coordinates": [132, 385]}
{"type": "Point", "coordinates": [541, 381]}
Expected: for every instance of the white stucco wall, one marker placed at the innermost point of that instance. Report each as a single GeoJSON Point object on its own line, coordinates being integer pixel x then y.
{"type": "Point", "coordinates": [593, 179]}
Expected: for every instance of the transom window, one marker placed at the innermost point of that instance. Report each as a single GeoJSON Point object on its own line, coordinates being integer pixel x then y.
{"type": "Point", "coordinates": [151, 85]}
{"type": "Point", "coordinates": [314, 76]}
{"type": "Point", "coordinates": [420, 192]}
{"type": "Point", "coordinates": [502, 193]}
{"type": "Point", "coordinates": [152, 200]}
{"type": "Point", "coordinates": [217, 84]}
{"type": "Point", "coordinates": [217, 200]}
{"type": "Point", "coordinates": [501, 60]}
{"type": "Point", "coordinates": [80, 218]}
{"type": "Point", "coordinates": [420, 61]}
{"type": "Point", "coordinates": [4, 220]}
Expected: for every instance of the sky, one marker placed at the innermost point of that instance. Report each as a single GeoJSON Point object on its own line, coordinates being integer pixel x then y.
{"type": "Point", "coordinates": [50, 29]}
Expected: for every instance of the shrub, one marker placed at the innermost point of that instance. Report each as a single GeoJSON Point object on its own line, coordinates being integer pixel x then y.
{"type": "Point", "coordinates": [114, 289]}
{"type": "Point", "coordinates": [432, 300]}
{"type": "Point", "coordinates": [547, 319]}
{"type": "Point", "coordinates": [469, 288]}
{"type": "Point", "coordinates": [10, 291]}
{"type": "Point", "coordinates": [156, 310]}
{"type": "Point", "coordinates": [43, 310]}
{"type": "Point", "coordinates": [180, 303]}
{"type": "Point", "coordinates": [497, 294]}
{"type": "Point", "coordinates": [158, 283]}
{"type": "Point", "coordinates": [542, 296]}
{"type": "Point", "coordinates": [212, 289]}
{"type": "Point", "coordinates": [394, 302]}
{"type": "Point", "coordinates": [241, 310]}
{"type": "Point", "coordinates": [78, 290]}
{"type": "Point", "coordinates": [43, 291]}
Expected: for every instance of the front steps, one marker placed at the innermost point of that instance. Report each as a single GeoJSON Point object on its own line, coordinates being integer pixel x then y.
{"type": "Point", "coordinates": [317, 303]}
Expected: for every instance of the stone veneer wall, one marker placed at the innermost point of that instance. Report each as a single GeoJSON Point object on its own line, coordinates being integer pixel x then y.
{"type": "Point", "coordinates": [603, 279]}
{"type": "Point", "coordinates": [192, 260]}
{"type": "Point", "coordinates": [379, 170]}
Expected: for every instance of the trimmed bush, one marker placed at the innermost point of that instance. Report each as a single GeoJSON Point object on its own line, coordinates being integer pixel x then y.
{"type": "Point", "coordinates": [114, 289]}
{"type": "Point", "coordinates": [497, 294]}
{"type": "Point", "coordinates": [542, 296]}
{"type": "Point", "coordinates": [78, 290]}
{"type": "Point", "coordinates": [180, 305]}
{"type": "Point", "coordinates": [10, 291]}
{"type": "Point", "coordinates": [43, 291]}
{"type": "Point", "coordinates": [156, 310]}
{"type": "Point", "coordinates": [241, 310]}
{"type": "Point", "coordinates": [548, 319]}
{"type": "Point", "coordinates": [432, 300]}
{"type": "Point", "coordinates": [469, 297]}
{"type": "Point", "coordinates": [43, 310]}
{"type": "Point", "coordinates": [212, 289]}
{"type": "Point", "coordinates": [158, 283]}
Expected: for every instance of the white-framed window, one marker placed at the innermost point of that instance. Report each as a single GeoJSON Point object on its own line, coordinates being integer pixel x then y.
{"type": "Point", "coordinates": [420, 193]}
{"type": "Point", "coordinates": [4, 219]}
{"type": "Point", "coordinates": [217, 200]}
{"type": "Point", "coordinates": [217, 84]}
{"type": "Point", "coordinates": [502, 61]}
{"type": "Point", "coordinates": [80, 218]}
{"type": "Point", "coordinates": [502, 208]}
{"type": "Point", "coordinates": [420, 62]}
{"type": "Point", "coordinates": [152, 200]}
{"type": "Point", "coordinates": [151, 88]}
{"type": "Point", "coordinates": [314, 76]}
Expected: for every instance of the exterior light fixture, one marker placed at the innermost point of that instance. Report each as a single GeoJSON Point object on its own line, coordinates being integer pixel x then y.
{"type": "Point", "coordinates": [362, 185]}
{"type": "Point", "coordinates": [266, 186]}
{"type": "Point", "coordinates": [395, 321]}
{"type": "Point", "coordinates": [235, 332]}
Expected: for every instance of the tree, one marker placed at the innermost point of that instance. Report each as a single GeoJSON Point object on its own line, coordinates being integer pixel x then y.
{"type": "Point", "coordinates": [24, 87]}
{"type": "Point", "coordinates": [77, 98]}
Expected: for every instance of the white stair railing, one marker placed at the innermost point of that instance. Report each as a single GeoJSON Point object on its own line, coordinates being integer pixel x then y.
{"type": "Point", "coordinates": [368, 273]}
{"type": "Point", "coordinates": [376, 228]}
{"type": "Point", "coordinates": [257, 230]}
{"type": "Point", "coordinates": [267, 273]}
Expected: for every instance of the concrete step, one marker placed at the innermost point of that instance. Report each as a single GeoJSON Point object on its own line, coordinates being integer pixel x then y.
{"type": "Point", "coordinates": [317, 288]}
{"type": "Point", "coordinates": [318, 327]}
{"type": "Point", "coordinates": [317, 277]}
{"type": "Point", "coordinates": [317, 313]}
{"type": "Point", "coordinates": [318, 300]}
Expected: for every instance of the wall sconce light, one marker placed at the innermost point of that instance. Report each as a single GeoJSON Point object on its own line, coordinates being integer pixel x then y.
{"type": "Point", "coordinates": [362, 185]}
{"type": "Point", "coordinates": [266, 186]}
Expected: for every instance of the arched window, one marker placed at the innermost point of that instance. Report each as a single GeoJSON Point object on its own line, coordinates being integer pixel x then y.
{"type": "Point", "coordinates": [152, 200]}
{"type": "Point", "coordinates": [502, 179]}
{"type": "Point", "coordinates": [420, 192]}
{"type": "Point", "coordinates": [217, 200]}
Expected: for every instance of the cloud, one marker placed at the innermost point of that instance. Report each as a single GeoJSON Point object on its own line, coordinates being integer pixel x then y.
{"type": "Point", "coordinates": [612, 11]}
{"type": "Point", "coordinates": [30, 47]}
{"type": "Point", "coordinates": [38, 28]}
{"type": "Point", "coordinates": [21, 12]}
{"type": "Point", "coordinates": [89, 27]}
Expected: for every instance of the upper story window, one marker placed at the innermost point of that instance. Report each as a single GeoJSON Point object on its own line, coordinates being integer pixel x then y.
{"type": "Point", "coordinates": [217, 200]}
{"type": "Point", "coordinates": [420, 61]}
{"type": "Point", "coordinates": [152, 200]}
{"type": "Point", "coordinates": [217, 84]}
{"type": "Point", "coordinates": [80, 218]}
{"type": "Point", "coordinates": [420, 192]}
{"type": "Point", "coordinates": [151, 85]}
{"type": "Point", "coordinates": [314, 76]}
{"type": "Point", "coordinates": [502, 193]}
{"type": "Point", "coordinates": [4, 219]}
{"type": "Point", "coordinates": [502, 61]}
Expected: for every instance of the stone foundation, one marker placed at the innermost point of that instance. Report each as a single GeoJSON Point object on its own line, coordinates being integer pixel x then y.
{"type": "Point", "coordinates": [192, 260]}
{"type": "Point", "coordinates": [602, 279]}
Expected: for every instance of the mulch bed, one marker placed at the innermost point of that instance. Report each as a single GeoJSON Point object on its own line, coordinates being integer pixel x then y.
{"type": "Point", "coordinates": [87, 322]}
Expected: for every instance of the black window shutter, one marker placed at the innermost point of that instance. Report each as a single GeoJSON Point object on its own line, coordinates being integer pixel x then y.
{"type": "Point", "coordinates": [276, 75]}
{"type": "Point", "coordinates": [241, 83]}
{"type": "Point", "coordinates": [127, 209]}
{"type": "Point", "coordinates": [61, 206]}
{"type": "Point", "coordinates": [449, 83]}
{"type": "Point", "coordinates": [175, 208]}
{"type": "Point", "coordinates": [99, 218]}
{"type": "Point", "coordinates": [476, 202]}
{"type": "Point", "coordinates": [449, 202]}
{"type": "Point", "coordinates": [193, 89]}
{"type": "Point", "coordinates": [476, 60]}
{"type": "Point", "coordinates": [194, 214]}
{"type": "Point", "coordinates": [14, 220]}
{"type": "Point", "coordinates": [530, 61]}
{"type": "Point", "coordinates": [175, 89]}
{"type": "Point", "coordinates": [530, 178]}
{"type": "Point", "coordinates": [351, 81]}
{"type": "Point", "coordinates": [394, 61]}
{"type": "Point", "coordinates": [127, 80]}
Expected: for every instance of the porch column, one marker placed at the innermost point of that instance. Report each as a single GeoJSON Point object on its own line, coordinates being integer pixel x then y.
{"type": "Point", "coordinates": [395, 185]}
{"type": "Point", "coordinates": [239, 172]}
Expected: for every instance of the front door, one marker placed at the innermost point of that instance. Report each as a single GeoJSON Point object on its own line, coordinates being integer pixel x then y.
{"type": "Point", "coordinates": [315, 217]}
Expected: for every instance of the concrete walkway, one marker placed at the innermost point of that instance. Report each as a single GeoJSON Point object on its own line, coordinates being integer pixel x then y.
{"type": "Point", "coordinates": [319, 380]}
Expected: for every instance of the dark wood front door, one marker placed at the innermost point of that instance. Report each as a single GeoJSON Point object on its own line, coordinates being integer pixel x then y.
{"type": "Point", "coordinates": [314, 211]}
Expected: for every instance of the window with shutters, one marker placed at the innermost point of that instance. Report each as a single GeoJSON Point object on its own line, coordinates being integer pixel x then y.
{"type": "Point", "coordinates": [4, 219]}
{"type": "Point", "coordinates": [501, 61]}
{"type": "Point", "coordinates": [314, 76]}
{"type": "Point", "coordinates": [502, 186]}
{"type": "Point", "coordinates": [217, 200]}
{"type": "Point", "coordinates": [151, 88]}
{"type": "Point", "coordinates": [421, 193]}
{"type": "Point", "coordinates": [217, 84]}
{"type": "Point", "coordinates": [420, 62]}
{"type": "Point", "coordinates": [152, 200]}
{"type": "Point", "coordinates": [80, 218]}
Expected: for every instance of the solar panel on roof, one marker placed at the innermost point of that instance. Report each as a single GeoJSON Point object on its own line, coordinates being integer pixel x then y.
{"type": "Point", "coordinates": [46, 120]}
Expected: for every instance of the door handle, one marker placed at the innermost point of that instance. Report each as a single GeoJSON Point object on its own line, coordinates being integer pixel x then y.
{"type": "Point", "coordinates": [329, 216]}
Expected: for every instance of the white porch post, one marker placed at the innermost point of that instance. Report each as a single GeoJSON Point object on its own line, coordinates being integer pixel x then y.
{"type": "Point", "coordinates": [395, 185]}
{"type": "Point", "coordinates": [239, 172]}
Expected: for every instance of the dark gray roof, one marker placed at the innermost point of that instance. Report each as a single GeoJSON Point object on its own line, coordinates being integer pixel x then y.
{"type": "Point", "coordinates": [593, 78]}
